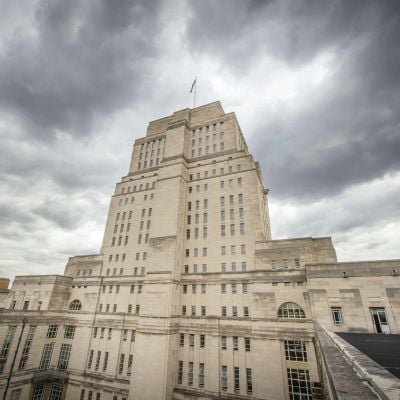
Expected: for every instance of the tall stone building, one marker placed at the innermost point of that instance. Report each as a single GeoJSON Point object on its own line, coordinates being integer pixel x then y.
{"type": "Point", "coordinates": [189, 297]}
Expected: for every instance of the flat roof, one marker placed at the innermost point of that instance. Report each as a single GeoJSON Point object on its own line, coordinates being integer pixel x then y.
{"type": "Point", "coordinates": [383, 349]}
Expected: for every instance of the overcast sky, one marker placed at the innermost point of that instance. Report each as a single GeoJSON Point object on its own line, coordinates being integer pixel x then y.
{"type": "Point", "coordinates": [315, 86]}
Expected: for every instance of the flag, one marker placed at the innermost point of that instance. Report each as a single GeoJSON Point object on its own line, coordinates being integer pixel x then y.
{"type": "Point", "coordinates": [194, 82]}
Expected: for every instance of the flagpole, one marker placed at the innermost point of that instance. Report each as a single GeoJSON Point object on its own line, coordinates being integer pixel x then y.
{"type": "Point", "coordinates": [195, 89]}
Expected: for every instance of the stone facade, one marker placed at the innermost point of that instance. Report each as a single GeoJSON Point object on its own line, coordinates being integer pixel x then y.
{"type": "Point", "coordinates": [189, 298]}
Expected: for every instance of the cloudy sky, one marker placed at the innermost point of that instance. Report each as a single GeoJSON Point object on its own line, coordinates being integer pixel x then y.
{"type": "Point", "coordinates": [315, 85]}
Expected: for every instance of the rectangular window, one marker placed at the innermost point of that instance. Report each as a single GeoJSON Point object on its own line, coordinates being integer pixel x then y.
{"type": "Point", "coordinates": [222, 230]}
{"type": "Point", "coordinates": [121, 364]}
{"type": "Point", "coordinates": [180, 372]}
{"type": "Point", "coordinates": [232, 226]}
{"type": "Point", "coordinates": [27, 347]}
{"type": "Point", "coordinates": [63, 359]}
{"type": "Point", "coordinates": [235, 343]}
{"type": "Point", "coordinates": [236, 379]}
{"type": "Point", "coordinates": [203, 285]}
{"type": "Point", "coordinates": [183, 310]}
{"type": "Point", "coordinates": [182, 340]}
{"type": "Point", "coordinates": [191, 340]}
{"type": "Point", "coordinates": [15, 394]}
{"type": "Point", "coordinates": [190, 374]}
{"type": "Point", "coordinates": [46, 356]}
{"type": "Point", "coordinates": [297, 262]}
{"type": "Point", "coordinates": [249, 381]}
{"type": "Point", "coordinates": [285, 263]}
{"type": "Point", "coordinates": [223, 311]}
{"type": "Point", "coordinates": [337, 315]}
{"type": "Point", "coordinates": [69, 332]}
{"type": "Point", "coordinates": [273, 264]}
{"type": "Point", "coordinates": [203, 311]}
{"type": "Point", "coordinates": [295, 350]}
{"type": "Point", "coordinates": [52, 331]}
{"type": "Point", "coordinates": [223, 267]}
{"type": "Point", "coordinates": [244, 287]}
{"type": "Point", "coordinates": [90, 359]}
{"type": "Point", "coordinates": [244, 265]}
{"type": "Point", "coordinates": [224, 377]}
{"type": "Point", "coordinates": [193, 311]}
{"type": "Point", "coordinates": [56, 391]}
{"type": "Point", "coordinates": [105, 361]}
{"type": "Point", "coordinates": [202, 341]}
{"type": "Point", "coordinates": [243, 249]}
{"type": "Point", "coordinates": [129, 367]}
{"type": "Point", "coordinates": [233, 285]}
{"type": "Point", "coordinates": [299, 384]}
{"type": "Point", "coordinates": [38, 392]}
{"type": "Point", "coordinates": [201, 374]}
{"type": "Point", "coordinates": [223, 342]}
{"type": "Point", "coordinates": [247, 344]}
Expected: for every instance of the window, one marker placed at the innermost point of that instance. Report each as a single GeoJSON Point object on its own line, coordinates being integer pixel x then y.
{"type": "Point", "coordinates": [137, 310]}
{"type": "Point", "coordinates": [233, 249]}
{"type": "Point", "coordinates": [109, 336]}
{"type": "Point", "coordinates": [190, 374]}
{"type": "Point", "coordinates": [231, 199]}
{"type": "Point", "coordinates": [247, 344]}
{"type": "Point", "coordinates": [82, 396]}
{"type": "Point", "coordinates": [223, 311]}
{"type": "Point", "coordinates": [132, 288]}
{"type": "Point", "coordinates": [183, 310]}
{"type": "Point", "coordinates": [191, 340]}
{"type": "Point", "coordinates": [245, 311]}
{"type": "Point", "coordinates": [180, 372]}
{"type": "Point", "coordinates": [52, 331]}
{"type": "Point", "coordinates": [121, 364]}
{"type": "Point", "coordinates": [232, 229]}
{"type": "Point", "coordinates": [38, 392]}
{"type": "Point", "coordinates": [234, 311]}
{"type": "Point", "coordinates": [15, 394]}
{"type": "Point", "coordinates": [133, 336]}
{"type": "Point", "coordinates": [203, 311]}
{"type": "Point", "coordinates": [243, 249]}
{"type": "Point", "coordinates": [295, 350]}
{"type": "Point", "coordinates": [234, 288]}
{"type": "Point", "coordinates": [125, 335]}
{"type": "Point", "coordinates": [46, 356]}
{"type": "Point", "coordinates": [129, 367]}
{"type": "Point", "coordinates": [223, 342]}
{"type": "Point", "coordinates": [290, 310]}
{"type": "Point", "coordinates": [337, 315]}
{"type": "Point", "coordinates": [224, 377]}
{"type": "Point", "coordinates": [203, 285]}
{"type": "Point", "coordinates": [235, 343]}
{"type": "Point", "coordinates": [64, 357]}
{"type": "Point", "coordinates": [223, 267]}
{"type": "Point", "coordinates": [202, 341]}
{"type": "Point", "coordinates": [56, 391]}
{"type": "Point", "coordinates": [201, 374]}
{"type": "Point", "coordinates": [249, 381]}
{"type": "Point", "coordinates": [105, 361]}
{"type": "Point", "coordinates": [27, 347]}
{"type": "Point", "coordinates": [244, 266]}
{"type": "Point", "coordinates": [297, 262]}
{"type": "Point", "coordinates": [222, 230]}
{"type": "Point", "coordinates": [69, 332]}
{"type": "Point", "coordinates": [273, 264]}
{"type": "Point", "coordinates": [285, 263]}
{"type": "Point", "coordinates": [236, 379]}
{"type": "Point", "coordinates": [182, 340]}
{"type": "Point", "coordinates": [242, 228]}
{"type": "Point", "coordinates": [222, 201]}
{"type": "Point", "coordinates": [193, 311]}
{"type": "Point", "coordinates": [244, 287]}
{"type": "Point", "coordinates": [75, 305]}
{"type": "Point", "coordinates": [299, 384]}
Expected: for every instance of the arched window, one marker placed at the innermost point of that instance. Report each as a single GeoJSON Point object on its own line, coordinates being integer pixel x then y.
{"type": "Point", "coordinates": [291, 310]}
{"type": "Point", "coordinates": [75, 305]}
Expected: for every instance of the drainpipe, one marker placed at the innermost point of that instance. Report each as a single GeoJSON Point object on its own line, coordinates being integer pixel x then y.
{"type": "Point", "coordinates": [24, 322]}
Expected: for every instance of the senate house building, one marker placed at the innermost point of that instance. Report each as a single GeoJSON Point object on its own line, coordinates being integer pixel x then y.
{"type": "Point", "coordinates": [190, 297]}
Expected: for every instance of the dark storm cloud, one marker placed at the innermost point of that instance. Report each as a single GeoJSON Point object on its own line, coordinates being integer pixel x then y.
{"type": "Point", "coordinates": [83, 58]}
{"type": "Point", "coordinates": [351, 133]}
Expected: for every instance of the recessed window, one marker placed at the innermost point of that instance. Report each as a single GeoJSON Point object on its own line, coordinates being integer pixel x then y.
{"type": "Point", "coordinates": [75, 305]}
